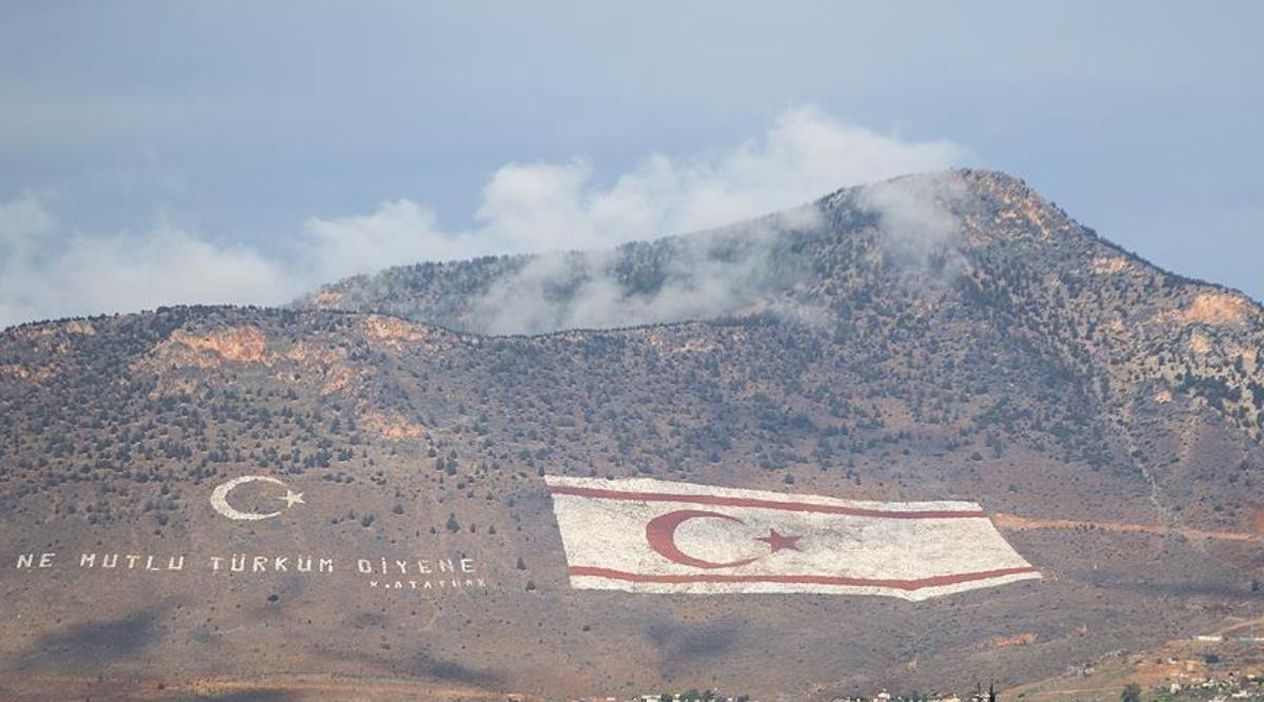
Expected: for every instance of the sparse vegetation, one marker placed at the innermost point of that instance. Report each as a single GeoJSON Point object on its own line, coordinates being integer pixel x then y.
{"type": "Point", "coordinates": [1017, 369]}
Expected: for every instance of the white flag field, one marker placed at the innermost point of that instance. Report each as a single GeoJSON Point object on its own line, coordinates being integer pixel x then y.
{"type": "Point", "coordinates": [655, 536]}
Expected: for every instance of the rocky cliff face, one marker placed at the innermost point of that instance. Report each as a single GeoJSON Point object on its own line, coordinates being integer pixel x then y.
{"type": "Point", "coordinates": [937, 337]}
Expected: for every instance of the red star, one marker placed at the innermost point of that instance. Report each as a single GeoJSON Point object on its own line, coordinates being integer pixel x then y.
{"type": "Point", "coordinates": [779, 541]}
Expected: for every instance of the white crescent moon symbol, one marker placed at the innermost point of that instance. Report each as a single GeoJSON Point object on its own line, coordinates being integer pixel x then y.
{"type": "Point", "coordinates": [219, 498]}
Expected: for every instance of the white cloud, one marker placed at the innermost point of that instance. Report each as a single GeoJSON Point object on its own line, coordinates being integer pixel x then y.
{"type": "Point", "coordinates": [46, 272]}
{"type": "Point", "coordinates": [400, 231]}
{"type": "Point", "coordinates": [913, 211]}
{"type": "Point", "coordinates": [23, 221]}
{"type": "Point", "coordinates": [703, 277]}
{"type": "Point", "coordinates": [546, 206]}
{"type": "Point", "coordinates": [49, 272]}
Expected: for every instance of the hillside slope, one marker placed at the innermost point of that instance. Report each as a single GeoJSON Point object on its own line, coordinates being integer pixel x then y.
{"type": "Point", "coordinates": [938, 337]}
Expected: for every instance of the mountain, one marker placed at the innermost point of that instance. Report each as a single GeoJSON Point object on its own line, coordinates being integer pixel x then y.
{"type": "Point", "coordinates": [936, 337]}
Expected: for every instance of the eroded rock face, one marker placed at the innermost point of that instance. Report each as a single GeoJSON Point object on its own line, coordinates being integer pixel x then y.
{"type": "Point", "coordinates": [396, 333]}
{"type": "Point", "coordinates": [1220, 308]}
{"type": "Point", "coordinates": [236, 345]}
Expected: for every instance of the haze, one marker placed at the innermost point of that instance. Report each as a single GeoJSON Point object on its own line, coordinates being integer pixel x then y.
{"type": "Point", "coordinates": [153, 153]}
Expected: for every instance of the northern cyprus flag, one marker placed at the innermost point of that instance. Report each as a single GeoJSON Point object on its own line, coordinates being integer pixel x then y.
{"type": "Point", "coordinates": [645, 535]}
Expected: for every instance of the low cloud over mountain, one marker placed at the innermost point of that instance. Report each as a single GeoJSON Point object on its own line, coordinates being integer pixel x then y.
{"type": "Point", "coordinates": [51, 270]}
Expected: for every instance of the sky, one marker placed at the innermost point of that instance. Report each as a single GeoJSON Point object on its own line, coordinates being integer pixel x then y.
{"type": "Point", "coordinates": [158, 153]}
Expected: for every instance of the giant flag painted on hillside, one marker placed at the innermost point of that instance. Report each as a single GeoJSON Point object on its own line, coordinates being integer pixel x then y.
{"type": "Point", "coordinates": [654, 536]}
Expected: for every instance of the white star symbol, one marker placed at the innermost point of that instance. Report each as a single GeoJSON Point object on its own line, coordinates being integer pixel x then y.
{"type": "Point", "coordinates": [292, 498]}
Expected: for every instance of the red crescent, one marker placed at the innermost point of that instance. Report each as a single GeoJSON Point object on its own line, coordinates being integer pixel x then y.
{"type": "Point", "coordinates": [661, 535]}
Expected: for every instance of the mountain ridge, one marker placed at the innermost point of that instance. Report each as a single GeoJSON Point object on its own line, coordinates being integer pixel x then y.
{"type": "Point", "coordinates": [1015, 360]}
{"type": "Point", "coordinates": [327, 296]}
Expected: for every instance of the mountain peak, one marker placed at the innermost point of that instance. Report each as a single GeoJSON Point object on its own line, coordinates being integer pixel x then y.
{"type": "Point", "coordinates": [962, 244]}
{"type": "Point", "coordinates": [944, 336]}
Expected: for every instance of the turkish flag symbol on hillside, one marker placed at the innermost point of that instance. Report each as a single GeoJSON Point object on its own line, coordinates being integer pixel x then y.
{"type": "Point", "coordinates": [644, 535]}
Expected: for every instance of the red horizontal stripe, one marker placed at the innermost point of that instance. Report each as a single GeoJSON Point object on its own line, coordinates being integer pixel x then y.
{"type": "Point", "coordinates": [722, 501]}
{"type": "Point", "coordinates": [935, 581]}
